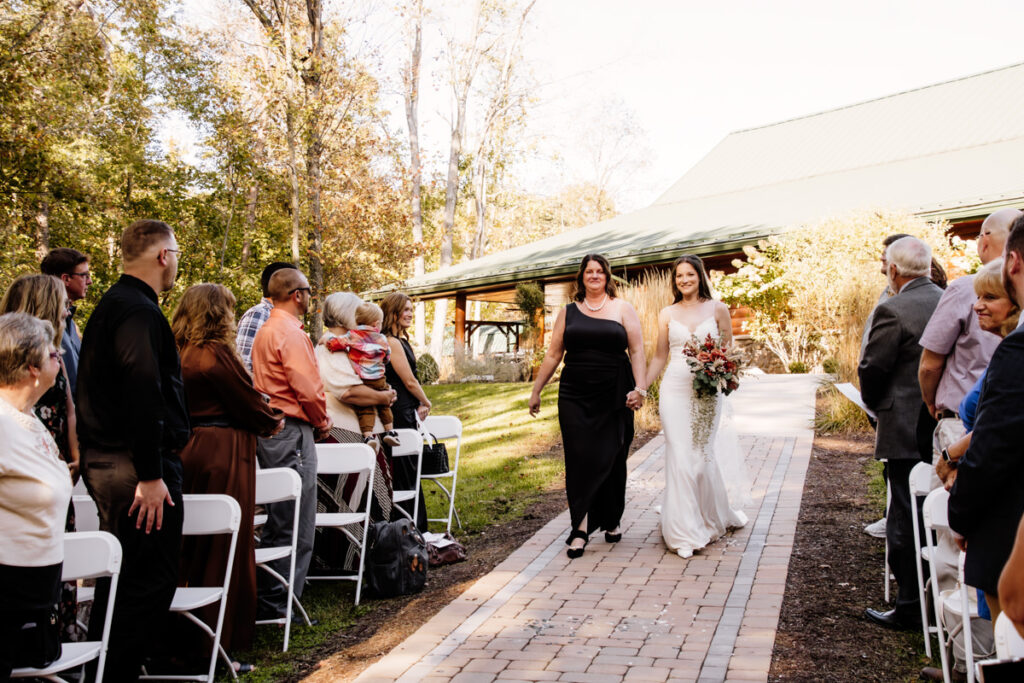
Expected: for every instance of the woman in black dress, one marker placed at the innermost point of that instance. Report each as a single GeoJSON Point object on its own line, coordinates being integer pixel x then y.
{"type": "Point", "coordinates": [600, 387]}
{"type": "Point", "coordinates": [412, 404]}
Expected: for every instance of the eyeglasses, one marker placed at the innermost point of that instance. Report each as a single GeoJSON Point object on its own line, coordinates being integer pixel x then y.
{"type": "Point", "coordinates": [85, 276]}
{"type": "Point", "coordinates": [301, 289]}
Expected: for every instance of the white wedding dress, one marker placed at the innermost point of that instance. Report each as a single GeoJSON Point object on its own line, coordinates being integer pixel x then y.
{"type": "Point", "coordinates": [706, 484]}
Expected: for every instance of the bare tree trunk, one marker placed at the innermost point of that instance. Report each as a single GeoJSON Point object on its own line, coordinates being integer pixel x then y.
{"type": "Point", "coordinates": [412, 100]}
{"type": "Point", "coordinates": [43, 228]}
{"type": "Point", "coordinates": [314, 150]}
{"type": "Point", "coordinates": [293, 177]}
{"type": "Point", "coordinates": [480, 203]}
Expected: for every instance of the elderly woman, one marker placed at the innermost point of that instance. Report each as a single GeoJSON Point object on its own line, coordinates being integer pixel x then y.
{"type": "Point", "coordinates": [601, 384]}
{"type": "Point", "coordinates": [45, 297]}
{"type": "Point", "coordinates": [227, 414]}
{"type": "Point", "coordinates": [344, 389]}
{"type": "Point", "coordinates": [35, 490]}
{"type": "Point", "coordinates": [412, 404]}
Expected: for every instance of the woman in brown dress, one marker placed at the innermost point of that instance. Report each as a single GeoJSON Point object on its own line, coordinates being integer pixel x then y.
{"type": "Point", "coordinates": [227, 414]}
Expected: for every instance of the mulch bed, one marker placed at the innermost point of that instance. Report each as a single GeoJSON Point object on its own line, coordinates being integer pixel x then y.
{"type": "Point", "coordinates": [835, 572]}
{"type": "Point", "coordinates": [346, 654]}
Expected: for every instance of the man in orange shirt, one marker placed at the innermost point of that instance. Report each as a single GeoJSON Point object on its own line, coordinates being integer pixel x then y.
{"type": "Point", "coordinates": [284, 368]}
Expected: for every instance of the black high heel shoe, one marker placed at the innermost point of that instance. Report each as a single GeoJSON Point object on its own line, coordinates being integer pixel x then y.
{"type": "Point", "coordinates": [609, 537]}
{"type": "Point", "coordinates": [571, 552]}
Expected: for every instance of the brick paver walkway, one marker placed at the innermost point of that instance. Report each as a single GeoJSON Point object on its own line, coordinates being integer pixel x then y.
{"type": "Point", "coordinates": [632, 611]}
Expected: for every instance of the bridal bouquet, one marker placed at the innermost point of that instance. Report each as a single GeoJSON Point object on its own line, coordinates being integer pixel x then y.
{"type": "Point", "coordinates": [715, 369]}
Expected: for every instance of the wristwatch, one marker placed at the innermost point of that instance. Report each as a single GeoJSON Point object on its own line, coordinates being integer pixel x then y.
{"type": "Point", "coordinates": [948, 460]}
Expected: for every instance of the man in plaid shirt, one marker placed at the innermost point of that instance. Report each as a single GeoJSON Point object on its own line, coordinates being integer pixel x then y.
{"type": "Point", "coordinates": [253, 319]}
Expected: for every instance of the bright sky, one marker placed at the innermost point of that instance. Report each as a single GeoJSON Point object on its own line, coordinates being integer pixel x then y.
{"type": "Point", "coordinates": [691, 72]}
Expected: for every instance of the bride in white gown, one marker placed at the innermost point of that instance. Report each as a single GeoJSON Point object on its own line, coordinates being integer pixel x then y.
{"type": "Point", "coordinates": [706, 484]}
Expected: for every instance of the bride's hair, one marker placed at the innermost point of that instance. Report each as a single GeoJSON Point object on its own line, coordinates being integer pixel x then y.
{"type": "Point", "coordinates": [579, 292]}
{"type": "Point", "coordinates": [703, 286]}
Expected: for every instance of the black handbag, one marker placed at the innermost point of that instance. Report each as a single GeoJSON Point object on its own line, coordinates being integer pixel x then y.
{"type": "Point", "coordinates": [38, 640]}
{"type": "Point", "coordinates": [435, 456]}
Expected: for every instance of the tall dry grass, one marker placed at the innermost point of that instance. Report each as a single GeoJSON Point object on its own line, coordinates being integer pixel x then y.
{"type": "Point", "coordinates": [648, 295]}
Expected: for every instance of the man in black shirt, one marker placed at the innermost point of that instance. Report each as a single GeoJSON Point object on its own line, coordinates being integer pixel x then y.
{"type": "Point", "coordinates": [132, 422]}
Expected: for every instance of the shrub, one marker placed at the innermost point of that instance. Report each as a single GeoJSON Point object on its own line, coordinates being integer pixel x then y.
{"type": "Point", "coordinates": [798, 367]}
{"type": "Point", "coordinates": [830, 366]}
{"type": "Point", "coordinates": [427, 371]}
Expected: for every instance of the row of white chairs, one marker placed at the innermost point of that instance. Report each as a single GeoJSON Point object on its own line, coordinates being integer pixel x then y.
{"type": "Point", "coordinates": [219, 514]}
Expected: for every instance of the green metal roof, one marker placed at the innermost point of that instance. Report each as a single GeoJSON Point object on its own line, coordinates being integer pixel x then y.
{"type": "Point", "coordinates": [953, 149]}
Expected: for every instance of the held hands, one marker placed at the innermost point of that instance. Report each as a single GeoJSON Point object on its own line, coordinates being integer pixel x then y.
{"type": "Point", "coordinates": [321, 433]}
{"type": "Point", "coordinates": [946, 472]}
{"type": "Point", "coordinates": [150, 497]}
{"type": "Point", "coordinates": [423, 410]}
{"type": "Point", "coordinates": [634, 400]}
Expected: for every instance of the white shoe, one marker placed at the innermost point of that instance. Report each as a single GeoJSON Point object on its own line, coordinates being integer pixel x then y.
{"type": "Point", "coordinates": [685, 553]}
{"type": "Point", "coordinates": [876, 529]}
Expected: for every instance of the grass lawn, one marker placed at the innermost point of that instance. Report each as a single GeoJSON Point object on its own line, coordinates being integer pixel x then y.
{"type": "Point", "coordinates": [505, 465]}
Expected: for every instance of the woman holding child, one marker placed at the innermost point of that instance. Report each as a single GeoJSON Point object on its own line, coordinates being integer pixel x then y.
{"type": "Point", "coordinates": [347, 394]}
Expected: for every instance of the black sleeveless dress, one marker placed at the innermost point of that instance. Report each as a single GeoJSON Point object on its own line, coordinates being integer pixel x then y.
{"type": "Point", "coordinates": [597, 427]}
{"type": "Point", "coordinates": [403, 470]}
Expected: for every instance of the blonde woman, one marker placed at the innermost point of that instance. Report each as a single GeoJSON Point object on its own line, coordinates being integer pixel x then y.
{"type": "Point", "coordinates": [226, 414]}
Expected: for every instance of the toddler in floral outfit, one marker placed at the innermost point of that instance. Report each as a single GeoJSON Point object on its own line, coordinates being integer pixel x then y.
{"type": "Point", "coordinates": [369, 352]}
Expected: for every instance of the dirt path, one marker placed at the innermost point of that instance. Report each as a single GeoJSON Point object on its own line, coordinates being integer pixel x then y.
{"type": "Point", "coordinates": [835, 572]}
{"type": "Point", "coordinates": [347, 653]}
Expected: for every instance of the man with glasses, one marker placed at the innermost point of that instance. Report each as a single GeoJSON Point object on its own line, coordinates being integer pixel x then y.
{"type": "Point", "coordinates": [132, 424]}
{"type": "Point", "coordinates": [72, 267]}
{"type": "Point", "coordinates": [253, 319]}
{"type": "Point", "coordinates": [284, 368]}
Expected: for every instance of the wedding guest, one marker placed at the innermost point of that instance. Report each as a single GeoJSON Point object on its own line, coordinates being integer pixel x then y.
{"type": "Point", "coordinates": [369, 352]}
{"type": "Point", "coordinates": [600, 387]}
{"type": "Point", "coordinates": [986, 502]}
{"type": "Point", "coordinates": [285, 369]}
{"type": "Point", "coordinates": [132, 423]}
{"type": "Point", "coordinates": [44, 297]}
{"type": "Point", "coordinates": [72, 267]}
{"type": "Point", "coordinates": [888, 380]}
{"type": "Point", "coordinates": [252, 320]}
{"type": "Point", "coordinates": [344, 389]}
{"type": "Point", "coordinates": [35, 490]}
{"type": "Point", "coordinates": [227, 414]}
{"type": "Point", "coordinates": [999, 315]}
{"type": "Point", "coordinates": [412, 405]}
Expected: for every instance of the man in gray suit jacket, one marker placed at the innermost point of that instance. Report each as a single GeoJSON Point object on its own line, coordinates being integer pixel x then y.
{"type": "Point", "coordinates": [889, 386]}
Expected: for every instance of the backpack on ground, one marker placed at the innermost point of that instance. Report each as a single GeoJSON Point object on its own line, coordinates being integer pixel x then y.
{"type": "Point", "coordinates": [396, 559]}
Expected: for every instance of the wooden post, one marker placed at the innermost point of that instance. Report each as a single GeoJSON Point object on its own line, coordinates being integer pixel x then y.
{"type": "Point", "coordinates": [460, 325]}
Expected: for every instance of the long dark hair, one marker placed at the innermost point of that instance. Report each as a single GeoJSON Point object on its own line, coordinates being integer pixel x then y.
{"type": "Point", "coordinates": [703, 286]}
{"type": "Point", "coordinates": [579, 291]}
{"type": "Point", "coordinates": [392, 305]}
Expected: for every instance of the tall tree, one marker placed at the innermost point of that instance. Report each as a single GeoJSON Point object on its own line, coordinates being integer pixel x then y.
{"type": "Point", "coordinates": [411, 78]}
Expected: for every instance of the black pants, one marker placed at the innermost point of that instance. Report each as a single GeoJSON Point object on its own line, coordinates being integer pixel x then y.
{"type": "Point", "coordinates": [149, 566]}
{"type": "Point", "coordinates": [899, 533]}
{"type": "Point", "coordinates": [27, 594]}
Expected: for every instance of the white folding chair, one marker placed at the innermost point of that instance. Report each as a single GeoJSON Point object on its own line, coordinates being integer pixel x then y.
{"type": "Point", "coordinates": [444, 427]}
{"type": "Point", "coordinates": [87, 555]}
{"type": "Point", "coordinates": [936, 516]}
{"type": "Point", "coordinates": [1009, 644]}
{"type": "Point", "coordinates": [343, 459]}
{"type": "Point", "coordinates": [87, 517]}
{"type": "Point", "coordinates": [920, 486]}
{"type": "Point", "coordinates": [276, 485]}
{"type": "Point", "coordinates": [958, 601]}
{"type": "Point", "coordinates": [207, 515]}
{"type": "Point", "coordinates": [412, 446]}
